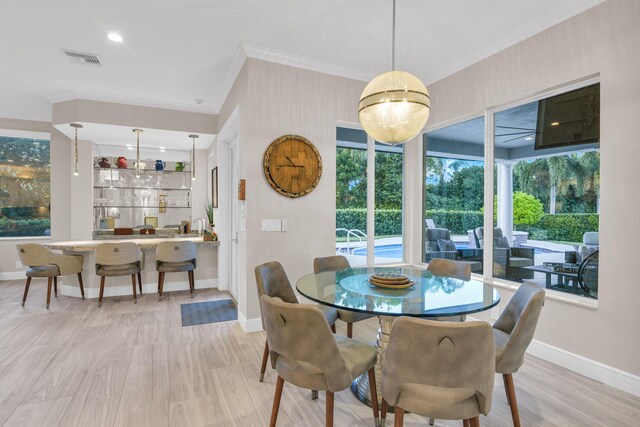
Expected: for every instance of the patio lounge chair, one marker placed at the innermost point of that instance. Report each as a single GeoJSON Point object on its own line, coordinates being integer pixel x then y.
{"type": "Point", "coordinates": [432, 249]}
{"type": "Point", "coordinates": [508, 262]}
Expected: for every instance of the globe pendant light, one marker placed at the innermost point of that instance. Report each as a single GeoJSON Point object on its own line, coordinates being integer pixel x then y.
{"type": "Point", "coordinates": [395, 105]}
{"type": "Point", "coordinates": [138, 132]}
{"type": "Point", "coordinates": [193, 156]}
{"type": "Point", "coordinates": [76, 126]}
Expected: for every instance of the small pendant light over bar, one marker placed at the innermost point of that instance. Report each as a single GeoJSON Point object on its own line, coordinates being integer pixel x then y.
{"type": "Point", "coordinates": [395, 105]}
{"type": "Point", "coordinates": [76, 126]}
{"type": "Point", "coordinates": [138, 132]}
{"type": "Point", "coordinates": [193, 155]}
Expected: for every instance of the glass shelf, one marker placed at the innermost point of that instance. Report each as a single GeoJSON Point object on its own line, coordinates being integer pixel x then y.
{"type": "Point", "coordinates": [118, 187]}
{"type": "Point", "coordinates": [141, 170]}
{"type": "Point", "coordinates": [141, 207]}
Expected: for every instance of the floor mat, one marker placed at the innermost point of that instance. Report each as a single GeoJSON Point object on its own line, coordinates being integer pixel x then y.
{"type": "Point", "coordinates": [199, 313]}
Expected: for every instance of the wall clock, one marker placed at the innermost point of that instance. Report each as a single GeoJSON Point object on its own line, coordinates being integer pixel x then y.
{"type": "Point", "coordinates": [292, 166]}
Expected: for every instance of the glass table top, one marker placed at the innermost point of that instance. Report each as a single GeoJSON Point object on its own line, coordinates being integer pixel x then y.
{"type": "Point", "coordinates": [430, 296]}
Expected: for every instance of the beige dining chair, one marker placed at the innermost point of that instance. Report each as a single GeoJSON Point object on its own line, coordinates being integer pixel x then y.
{"type": "Point", "coordinates": [308, 355]}
{"type": "Point", "coordinates": [175, 257]}
{"type": "Point", "coordinates": [272, 281]}
{"type": "Point", "coordinates": [442, 370]}
{"type": "Point", "coordinates": [450, 268]}
{"type": "Point", "coordinates": [119, 259]}
{"type": "Point", "coordinates": [513, 332]}
{"type": "Point", "coordinates": [337, 263]}
{"type": "Point", "coordinates": [43, 262]}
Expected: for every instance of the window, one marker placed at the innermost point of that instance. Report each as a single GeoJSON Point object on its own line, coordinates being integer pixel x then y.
{"type": "Point", "coordinates": [454, 192]}
{"type": "Point", "coordinates": [545, 158]}
{"type": "Point", "coordinates": [369, 197]}
{"type": "Point", "coordinates": [24, 187]}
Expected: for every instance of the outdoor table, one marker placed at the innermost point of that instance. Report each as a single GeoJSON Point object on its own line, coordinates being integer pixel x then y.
{"type": "Point", "coordinates": [430, 297]}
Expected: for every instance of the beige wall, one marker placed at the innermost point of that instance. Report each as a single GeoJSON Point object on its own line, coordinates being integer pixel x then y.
{"type": "Point", "coordinates": [282, 100]}
{"type": "Point", "coordinates": [602, 40]}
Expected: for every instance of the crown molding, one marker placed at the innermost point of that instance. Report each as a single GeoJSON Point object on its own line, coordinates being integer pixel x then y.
{"type": "Point", "coordinates": [141, 102]}
{"type": "Point", "coordinates": [283, 58]}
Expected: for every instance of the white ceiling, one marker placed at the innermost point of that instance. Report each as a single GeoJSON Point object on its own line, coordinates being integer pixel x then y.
{"type": "Point", "coordinates": [123, 136]}
{"type": "Point", "coordinates": [177, 51]}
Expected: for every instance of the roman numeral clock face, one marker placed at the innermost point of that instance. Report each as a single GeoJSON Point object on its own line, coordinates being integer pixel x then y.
{"type": "Point", "coordinates": [292, 166]}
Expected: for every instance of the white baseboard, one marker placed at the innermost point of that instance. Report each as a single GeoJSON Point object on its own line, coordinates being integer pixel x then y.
{"type": "Point", "coordinates": [13, 275]}
{"type": "Point", "coordinates": [249, 325]}
{"type": "Point", "coordinates": [590, 368]}
{"type": "Point", "coordinates": [115, 291]}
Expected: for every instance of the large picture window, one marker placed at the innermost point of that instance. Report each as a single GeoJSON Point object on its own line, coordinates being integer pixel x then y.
{"type": "Point", "coordinates": [24, 187]}
{"type": "Point", "coordinates": [545, 157]}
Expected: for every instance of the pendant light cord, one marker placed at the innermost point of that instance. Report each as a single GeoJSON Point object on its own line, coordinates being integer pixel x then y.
{"type": "Point", "coordinates": [393, 39]}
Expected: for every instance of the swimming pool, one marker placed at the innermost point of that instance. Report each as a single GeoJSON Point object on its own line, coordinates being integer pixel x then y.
{"type": "Point", "coordinates": [396, 251]}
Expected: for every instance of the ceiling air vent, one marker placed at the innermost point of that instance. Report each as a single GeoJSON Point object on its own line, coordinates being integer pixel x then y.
{"type": "Point", "coordinates": [82, 58]}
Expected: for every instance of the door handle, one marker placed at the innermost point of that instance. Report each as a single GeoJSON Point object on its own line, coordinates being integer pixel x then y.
{"type": "Point", "coordinates": [235, 240]}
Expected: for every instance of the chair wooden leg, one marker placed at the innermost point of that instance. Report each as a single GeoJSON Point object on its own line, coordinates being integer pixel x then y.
{"type": "Point", "coordinates": [101, 291]}
{"type": "Point", "coordinates": [26, 290]}
{"type": "Point", "coordinates": [333, 328]}
{"type": "Point", "coordinates": [160, 284]}
{"type": "Point", "coordinates": [49, 291]}
{"type": "Point", "coordinates": [511, 396]}
{"type": "Point", "coordinates": [81, 284]}
{"type": "Point", "coordinates": [399, 417]}
{"type": "Point", "coordinates": [314, 394]}
{"type": "Point", "coordinates": [383, 418]}
{"type": "Point", "coordinates": [265, 357]}
{"type": "Point", "coordinates": [374, 395]}
{"type": "Point", "coordinates": [474, 422]}
{"type": "Point", "coordinates": [465, 423]}
{"type": "Point", "coordinates": [276, 401]}
{"type": "Point", "coordinates": [140, 283]}
{"type": "Point", "coordinates": [55, 286]}
{"type": "Point", "coordinates": [350, 330]}
{"type": "Point", "coordinates": [329, 419]}
{"type": "Point", "coordinates": [133, 282]}
{"type": "Point", "coordinates": [191, 285]}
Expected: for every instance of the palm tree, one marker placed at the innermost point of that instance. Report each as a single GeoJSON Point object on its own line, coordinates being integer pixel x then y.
{"type": "Point", "coordinates": [560, 170]}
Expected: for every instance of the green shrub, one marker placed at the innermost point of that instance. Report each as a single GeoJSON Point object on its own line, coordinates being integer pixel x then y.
{"type": "Point", "coordinates": [10, 227]}
{"type": "Point", "coordinates": [566, 227]}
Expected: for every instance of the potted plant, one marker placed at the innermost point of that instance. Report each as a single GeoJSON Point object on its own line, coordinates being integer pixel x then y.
{"type": "Point", "coordinates": [208, 207]}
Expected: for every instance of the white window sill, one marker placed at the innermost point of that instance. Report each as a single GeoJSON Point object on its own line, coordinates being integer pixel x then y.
{"type": "Point", "coordinates": [17, 238]}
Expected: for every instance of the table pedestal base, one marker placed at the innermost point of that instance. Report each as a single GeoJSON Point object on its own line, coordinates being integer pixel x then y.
{"type": "Point", "coordinates": [360, 386]}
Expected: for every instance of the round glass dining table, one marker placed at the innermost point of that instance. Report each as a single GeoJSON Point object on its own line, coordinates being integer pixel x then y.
{"type": "Point", "coordinates": [430, 297]}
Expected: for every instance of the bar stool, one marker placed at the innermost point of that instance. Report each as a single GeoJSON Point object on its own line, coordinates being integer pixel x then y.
{"type": "Point", "coordinates": [175, 257]}
{"type": "Point", "coordinates": [119, 259]}
{"type": "Point", "coordinates": [43, 262]}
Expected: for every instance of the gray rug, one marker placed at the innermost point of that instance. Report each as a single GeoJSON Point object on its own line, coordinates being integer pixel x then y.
{"type": "Point", "coordinates": [199, 313]}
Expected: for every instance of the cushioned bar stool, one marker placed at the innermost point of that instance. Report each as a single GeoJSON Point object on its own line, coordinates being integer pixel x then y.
{"type": "Point", "coordinates": [272, 281]}
{"type": "Point", "coordinates": [175, 257]}
{"type": "Point", "coordinates": [119, 259]}
{"type": "Point", "coordinates": [43, 262]}
{"type": "Point", "coordinates": [513, 333]}
{"type": "Point", "coordinates": [442, 370]}
{"type": "Point", "coordinates": [308, 355]}
{"type": "Point", "coordinates": [337, 263]}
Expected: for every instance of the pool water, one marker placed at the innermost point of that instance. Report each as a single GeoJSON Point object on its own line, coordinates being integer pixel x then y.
{"type": "Point", "coordinates": [396, 251]}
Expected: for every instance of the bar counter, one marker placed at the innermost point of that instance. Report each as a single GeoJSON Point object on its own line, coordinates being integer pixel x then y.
{"type": "Point", "coordinates": [206, 273]}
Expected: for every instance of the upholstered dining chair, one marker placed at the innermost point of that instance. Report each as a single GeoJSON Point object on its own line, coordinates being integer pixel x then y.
{"type": "Point", "coordinates": [513, 332]}
{"type": "Point", "coordinates": [119, 259]}
{"type": "Point", "coordinates": [308, 355]}
{"type": "Point", "coordinates": [337, 263]}
{"type": "Point", "coordinates": [450, 268]}
{"type": "Point", "coordinates": [272, 281]}
{"type": "Point", "coordinates": [442, 370]}
{"type": "Point", "coordinates": [43, 262]}
{"type": "Point", "coordinates": [175, 257]}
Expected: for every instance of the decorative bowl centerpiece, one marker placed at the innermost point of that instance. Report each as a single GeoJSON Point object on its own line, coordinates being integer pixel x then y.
{"type": "Point", "coordinates": [391, 280]}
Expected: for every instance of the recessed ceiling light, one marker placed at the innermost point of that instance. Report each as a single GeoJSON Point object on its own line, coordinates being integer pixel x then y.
{"type": "Point", "coordinates": [115, 37]}
{"type": "Point", "coordinates": [529, 138]}
{"type": "Point", "coordinates": [162, 149]}
{"type": "Point", "coordinates": [555, 123]}
{"type": "Point", "coordinates": [199, 101]}
{"type": "Point", "coordinates": [129, 148]}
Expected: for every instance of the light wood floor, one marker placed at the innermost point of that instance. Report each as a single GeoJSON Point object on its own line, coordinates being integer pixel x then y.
{"type": "Point", "coordinates": [134, 365]}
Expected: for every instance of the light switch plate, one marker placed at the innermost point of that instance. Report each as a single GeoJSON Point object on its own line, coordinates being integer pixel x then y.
{"type": "Point", "coordinates": [243, 225]}
{"type": "Point", "coordinates": [285, 225]}
{"type": "Point", "coordinates": [19, 264]}
{"type": "Point", "coordinates": [271, 225]}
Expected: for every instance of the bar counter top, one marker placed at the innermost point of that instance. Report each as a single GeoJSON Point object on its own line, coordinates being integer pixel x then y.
{"type": "Point", "coordinates": [145, 243]}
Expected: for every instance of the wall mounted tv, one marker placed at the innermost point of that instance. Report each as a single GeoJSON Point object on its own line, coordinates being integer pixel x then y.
{"type": "Point", "coordinates": [570, 118]}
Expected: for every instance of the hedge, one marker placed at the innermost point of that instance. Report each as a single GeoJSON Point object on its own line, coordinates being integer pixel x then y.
{"type": "Point", "coordinates": [563, 227]}
{"type": "Point", "coordinates": [24, 227]}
